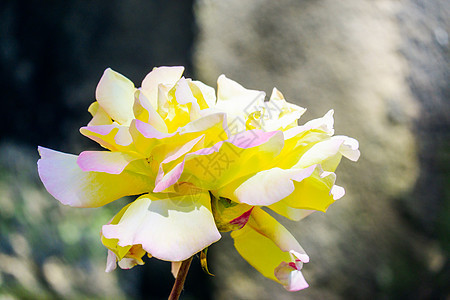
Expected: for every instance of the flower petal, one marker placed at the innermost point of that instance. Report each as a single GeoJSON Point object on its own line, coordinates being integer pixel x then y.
{"type": "Point", "coordinates": [99, 115]}
{"type": "Point", "coordinates": [270, 186]}
{"type": "Point", "coordinates": [234, 99]}
{"type": "Point", "coordinates": [163, 182]}
{"type": "Point", "coordinates": [161, 75]}
{"type": "Point", "coordinates": [240, 155]}
{"type": "Point", "coordinates": [290, 277]}
{"type": "Point", "coordinates": [111, 262]}
{"type": "Point", "coordinates": [324, 124]}
{"type": "Point", "coordinates": [104, 161]}
{"type": "Point", "coordinates": [238, 102]}
{"type": "Point", "coordinates": [319, 153]}
{"type": "Point", "coordinates": [279, 114]}
{"type": "Point", "coordinates": [146, 137]}
{"type": "Point", "coordinates": [329, 152]}
{"type": "Point", "coordinates": [113, 137]}
{"type": "Point", "coordinates": [265, 244]}
{"type": "Point", "coordinates": [171, 228]}
{"type": "Point", "coordinates": [212, 129]}
{"type": "Point", "coordinates": [67, 182]}
{"type": "Point", "coordinates": [295, 214]}
{"type": "Point", "coordinates": [146, 112]}
{"type": "Point", "coordinates": [180, 107]}
{"type": "Point", "coordinates": [205, 95]}
{"type": "Point", "coordinates": [214, 126]}
{"type": "Point", "coordinates": [115, 94]}
{"type": "Point", "coordinates": [111, 244]}
{"type": "Point", "coordinates": [317, 192]}
{"type": "Point", "coordinates": [349, 147]}
{"type": "Point", "coordinates": [129, 262]}
{"type": "Point", "coordinates": [150, 142]}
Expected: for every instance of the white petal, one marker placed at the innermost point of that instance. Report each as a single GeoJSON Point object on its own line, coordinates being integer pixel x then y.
{"type": "Point", "coordinates": [161, 75]}
{"type": "Point", "coordinates": [169, 228]}
{"type": "Point", "coordinates": [234, 99]}
{"type": "Point", "coordinates": [270, 186]}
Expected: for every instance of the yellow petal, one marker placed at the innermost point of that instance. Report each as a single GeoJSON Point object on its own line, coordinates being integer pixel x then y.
{"type": "Point", "coordinates": [99, 115]}
{"type": "Point", "coordinates": [146, 112]}
{"type": "Point", "coordinates": [265, 244]}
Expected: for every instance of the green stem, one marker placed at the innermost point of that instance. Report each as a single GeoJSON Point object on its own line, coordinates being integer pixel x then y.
{"type": "Point", "coordinates": [179, 281]}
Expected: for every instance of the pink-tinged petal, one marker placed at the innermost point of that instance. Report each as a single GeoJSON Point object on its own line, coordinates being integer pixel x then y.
{"type": "Point", "coordinates": [175, 267]}
{"type": "Point", "coordinates": [150, 132]}
{"type": "Point", "coordinates": [104, 161]}
{"type": "Point", "coordinates": [165, 181]}
{"type": "Point", "coordinates": [161, 75]}
{"type": "Point", "coordinates": [290, 277]}
{"type": "Point", "coordinates": [144, 111]}
{"type": "Point", "coordinates": [185, 148]}
{"type": "Point", "coordinates": [241, 155]}
{"type": "Point", "coordinates": [171, 228]}
{"type": "Point", "coordinates": [265, 244]}
{"type": "Point", "coordinates": [113, 137]}
{"type": "Point", "coordinates": [111, 262]}
{"type": "Point", "coordinates": [270, 186]}
{"type": "Point", "coordinates": [253, 138]}
{"type": "Point", "coordinates": [115, 94]}
{"type": "Point", "coordinates": [268, 143]}
{"type": "Point", "coordinates": [146, 137]}
{"type": "Point", "coordinates": [68, 183]}
{"type": "Point", "coordinates": [102, 134]}
{"type": "Point", "coordinates": [158, 145]}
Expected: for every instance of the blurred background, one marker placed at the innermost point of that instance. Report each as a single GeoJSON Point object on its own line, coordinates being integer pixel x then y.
{"type": "Point", "coordinates": [383, 65]}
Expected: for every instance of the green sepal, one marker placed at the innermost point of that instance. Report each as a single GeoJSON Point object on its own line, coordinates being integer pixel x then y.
{"type": "Point", "coordinates": [204, 262]}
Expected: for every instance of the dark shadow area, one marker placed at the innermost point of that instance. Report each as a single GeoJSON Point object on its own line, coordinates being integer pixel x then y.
{"type": "Point", "coordinates": [52, 55]}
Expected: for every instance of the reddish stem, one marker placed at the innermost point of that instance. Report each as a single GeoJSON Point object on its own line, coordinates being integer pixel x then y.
{"type": "Point", "coordinates": [179, 281]}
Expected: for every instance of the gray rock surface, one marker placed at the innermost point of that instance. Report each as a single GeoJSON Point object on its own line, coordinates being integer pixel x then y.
{"type": "Point", "coordinates": [383, 66]}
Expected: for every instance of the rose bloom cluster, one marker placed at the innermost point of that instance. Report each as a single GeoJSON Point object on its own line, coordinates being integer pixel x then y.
{"type": "Point", "coordinates": [200, 164]}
